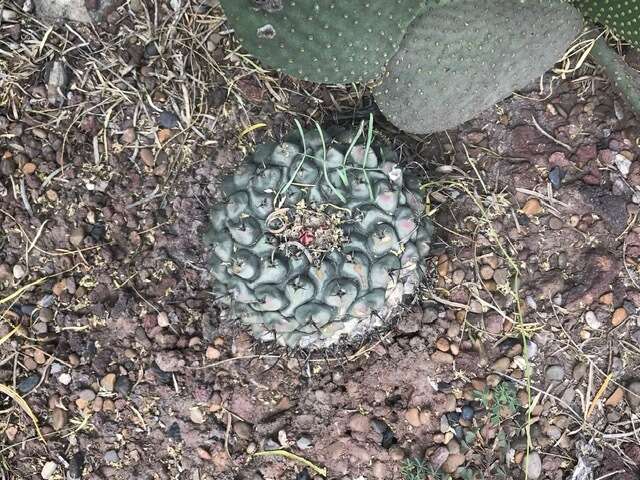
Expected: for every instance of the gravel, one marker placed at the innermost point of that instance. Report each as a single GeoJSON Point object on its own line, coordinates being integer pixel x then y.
{"type": "Point", "coordinates": [533, 465]}
{"type": "Point", "coordinates": [554, 373]}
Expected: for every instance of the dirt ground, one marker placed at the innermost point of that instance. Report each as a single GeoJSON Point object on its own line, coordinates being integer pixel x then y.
{"type": "Point", "coordinates": [116, 363]}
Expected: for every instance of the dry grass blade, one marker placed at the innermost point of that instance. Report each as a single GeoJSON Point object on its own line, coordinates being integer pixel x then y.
{"type": "Point", "coordinates": [18, 293]}
{"type": "Point", "coordinates": [10, 334]}
{"type": "Point", "coordinates": [292, 456]}
{"type": "Point", "coordinates": [599, 394]}
{"type": "Point", "coordinates": [15, 396]}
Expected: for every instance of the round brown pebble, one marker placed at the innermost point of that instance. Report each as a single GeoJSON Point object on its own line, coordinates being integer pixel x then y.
{"type": "Point", "coordinates": [413, 417]}
{"type": "Point", "coordinates": [443, 265]}
{"type": "Point", "coordinates": [486, 272]}
{"type": "Point", "coordinates": [108, 405]}
{"type": "Point", "coordinates": [51, 195]}
{"type": "Point", "coordinates": [442, 344]}
{"type": "Point", "coordinates": [532, 207]}
{"type": "Point", "coordinates": [212, 353]}
{"type": "Point", "coordinates": [606, 299]}
{"type": "Point", "coordinates": [29, 168]}
{"type": "Point", "coordinates": [58, 418]}
{"type": "Point", "coordinates": [502, 364]}
{"type": "Point", "coordinates": [39, 356]}
{"type": "Point", "coordinates": [452, 463]}
{"type": "Point", "coordinates": [147, 157]}
{"type": "Point", "coordinates": [615, 398]}
{"type": "Point", "coordinates": [619, 316]}
{"type": "Point", "coordinates": [442, 357]}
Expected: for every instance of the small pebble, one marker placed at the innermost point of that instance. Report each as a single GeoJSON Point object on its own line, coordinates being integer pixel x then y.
{"type": "Point", "coordinates": [444, 424]}
{"type": "Point", "coordinates": [163, 319]}
{"type": "Point", "coordinates": [243, 430]}
{"type": "Point", "coordinates": [468, 412]}
{"type": "Point", "coordinates": [123, 385]}
{"type": "Point", "coordinates": [442, 344]}
{"type": "Point", "coordinates": [111, 456]}
{"type": "Point", "coordinates": [18, 271]}
{"type": "Point", "coordinates": [486, 272]}
{"type": "Point", "coordinates": [554, 373]}
{"type": "Point", "coordinates": [615, 398]}
{"type": "Point", "coordinates": [168, 119]}
{"type": "Point", "coordinates": [533, 466]}
{"type": "Point", "coordinates": [304, 443]}
{"type": "Point", "coordinates": [64, 378]}
{"type": "Point", "coordinates": [442, 357]}
{"type": "Point", "coordinates": [147, 157]}
{"type": "Point", "coordinates": [359, 423]}
{"type": "Point", "coordinates": [532, 207]}
{"type": "Point", "coordinates": [619, 316]}
{"type": "Point", "coordinates": [579, 371]}
{"type": "Point", "coordinates": [58, 419]}
{"type": "Point", "coordinates": [129, 135]}
{"type": "Point", "coordinates": [438, 457]}
{"type": "Point", "coordinates": [452, 463]}
{"type": "Point", "coordinates": [458, 277]}
{"type": "Point", "coordinates": [29, 168]}
{"type": "Point", "coordinates": [502, 364]}
{"type": "Point", "coordinates": [592, 321]}
{"type": "Point", "coordinates": [196, 415]}
{"type": "Point", "coordinates": [555, 176]}
{"type": "Point", "coordinates": [8, 15]}
{"type": "Point", "coordinates": [623, 164]}
{"type": "Point", "coordinates": [108, 382]}
{"type": "Point", "coordinates": [413, 417]}
{"type": "Point", "coordinates": [212, 353]}
{"type": "Point", "coordinates": [48, 470]}
{"type": "Point", "coordinates": [76, 237]}
{"type": "Point", "coordinates": [87, 395]}
{"type": "Point", "coordinates": [397, 454]}
{"type": "Point", "coordinates": [443, 265]}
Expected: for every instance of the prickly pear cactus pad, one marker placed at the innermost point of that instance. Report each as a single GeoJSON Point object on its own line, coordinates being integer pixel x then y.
{"type": "Point", "coordinates": [621, 16]}
{"type": "Point", "coordinates": [325, 41]}
{"type": "Point", "coordinates": [318, 239]}
{"type": "Point", "coordinates": [463, 56]}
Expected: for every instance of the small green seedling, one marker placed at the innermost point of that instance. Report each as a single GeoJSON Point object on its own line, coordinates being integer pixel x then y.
{"type": "Point", "coordinates": [418, 469]}
{"type": "Point", "coordinates": [503, 399]}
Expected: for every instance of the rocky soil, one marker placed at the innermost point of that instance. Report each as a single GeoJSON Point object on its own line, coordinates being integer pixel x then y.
{"type": "Point", "coordinates": [521, 353]}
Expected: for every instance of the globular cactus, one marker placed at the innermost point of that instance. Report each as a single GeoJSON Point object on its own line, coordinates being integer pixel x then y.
{"type": "Point", "coordinates": [462, 56]}
{"type": "Point", "coordinates": [319, 238]}
{"type": "Point", "coordinates": [330, 41]}
{"type": "Point", "coordinates": [621, 16]}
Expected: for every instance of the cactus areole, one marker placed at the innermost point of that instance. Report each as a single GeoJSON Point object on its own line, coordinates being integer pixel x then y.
{"type": "Point", "coordinates": [319, 239]}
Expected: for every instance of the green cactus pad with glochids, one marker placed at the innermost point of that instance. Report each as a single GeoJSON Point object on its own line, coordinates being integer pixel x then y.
{"type": "Point", "coordinates": [621, 16]}
{"type": "Point", "coordinates": [326, 41]}
{"type": "Point", "coordinates": [459, 58]}
{"type": "Point", "coordinates": [318, 239]}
